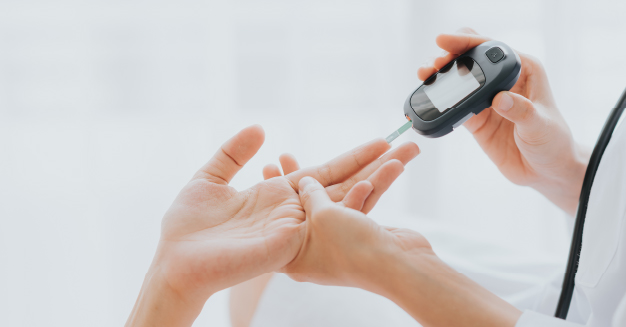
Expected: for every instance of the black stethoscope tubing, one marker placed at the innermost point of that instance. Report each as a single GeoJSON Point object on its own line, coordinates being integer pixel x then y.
{"type": "Point", "coordinates": [577, 237]}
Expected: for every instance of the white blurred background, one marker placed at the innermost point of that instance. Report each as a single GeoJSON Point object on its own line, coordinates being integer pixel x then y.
{"type": "Point", "coordinates": [108, 107]}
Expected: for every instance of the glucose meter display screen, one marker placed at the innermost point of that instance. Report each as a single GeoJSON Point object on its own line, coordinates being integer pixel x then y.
{"type": "Point", "coordinates": [451, 85]}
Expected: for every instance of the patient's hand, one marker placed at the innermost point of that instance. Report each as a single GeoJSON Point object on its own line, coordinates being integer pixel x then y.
{"type": "Point", "coordinates": [214, 237]}
{"type": "Point", "coordinates": [524, 134]}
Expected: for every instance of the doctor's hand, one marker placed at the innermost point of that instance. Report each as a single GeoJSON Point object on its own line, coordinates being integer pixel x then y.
{"type": "Point", "coordinates": [214, 236]}
{"type": "Point", "coordinates": [342, 244]}
{"type": "Point", "coordinates": [344, 247]}
{"type": "Point", "coordinates": [523, 132]}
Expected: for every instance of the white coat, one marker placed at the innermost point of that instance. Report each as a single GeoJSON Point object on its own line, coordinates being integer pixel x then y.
{"type": "Point", "coordinates": [600, 293]}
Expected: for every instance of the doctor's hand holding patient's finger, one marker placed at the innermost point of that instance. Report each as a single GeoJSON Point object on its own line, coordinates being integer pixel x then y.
{"type": "Point", "coordinates": [214, 236]}
{"type": "Point", "coordinates": [342, 245]}
{"type": "Point", "coordinates": [523, 132]}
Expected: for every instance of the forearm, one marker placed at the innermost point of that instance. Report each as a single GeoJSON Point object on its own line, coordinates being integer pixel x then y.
{"type": "Point", "coordinates": [436, 295]}
{"type": "Point", "coordinates": [159, 305]}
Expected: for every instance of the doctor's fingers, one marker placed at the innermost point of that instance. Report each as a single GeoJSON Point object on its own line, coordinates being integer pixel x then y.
{"type": "Point", "coordinates": [453, 45]}
{"type": "Point", "coordinates": [532, 124]}
{"type": "Point", "coordinates": [404, 153]}
{"type": "Point", "coordinates": [313, 196]}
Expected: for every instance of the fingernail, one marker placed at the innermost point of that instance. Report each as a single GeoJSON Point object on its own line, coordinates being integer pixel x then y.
{"type": "Point", "coordinates": [505, 103]}
{"type": "Point", "coordinates": [306, 180]}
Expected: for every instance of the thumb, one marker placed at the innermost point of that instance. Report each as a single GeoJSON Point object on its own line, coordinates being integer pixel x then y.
{"type": "Point", "coordinates": [522, 112]}
{"type": "Point", "coordinates": [313, 196]}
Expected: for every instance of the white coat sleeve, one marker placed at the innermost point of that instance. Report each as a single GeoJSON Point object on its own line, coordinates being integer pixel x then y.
{"type": "Point", "coordinates": [534, 319]}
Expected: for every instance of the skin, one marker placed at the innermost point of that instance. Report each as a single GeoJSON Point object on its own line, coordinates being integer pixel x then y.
{"type": "Point", "coordinates": [245, 297]}
{"type": "Point", "coordinates": [525, 136]}
{"type": "Point", "coordinates": [214, 237]}
{"type": "Point", "coordinates": [344, 247]}
{"type": "Point", "coordinates": [529, 141]}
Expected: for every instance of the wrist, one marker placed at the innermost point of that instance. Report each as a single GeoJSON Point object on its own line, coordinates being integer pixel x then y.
{"type": "Point", "coordinates": [434, 294]}
{"type": "Point", "coordinates": [563, 186]}
{"type": "Point", "coordinates": [386, 264]}
{"type": "Point", "coordinates": [158, 304]}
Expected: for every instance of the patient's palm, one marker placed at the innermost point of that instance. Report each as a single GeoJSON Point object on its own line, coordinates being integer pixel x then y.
{"type": "Point", "coordinates": [260, 227]}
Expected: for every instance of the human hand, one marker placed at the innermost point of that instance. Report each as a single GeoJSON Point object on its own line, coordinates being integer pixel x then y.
{"type": "Point", "coordinates": [214, 237]}
{"type": "Point", "coordinates": [523, 132]}
{"type": "Point", "coordinates": [344, 247]}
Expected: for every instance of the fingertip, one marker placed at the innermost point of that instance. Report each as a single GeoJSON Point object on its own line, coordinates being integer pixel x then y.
{"type": "Point", "coordinates": [367, 185]}
{"type": "Point", "coordinates": [442, 40]}
{"type": "Point", "coordinates": [357, 195]}
{"type": "Point", "coordinates": [251, 137]}
{"type": "Point", "coordinates": [286, 156]}
{"type": "Point", "coordinates": [440, 62]}
{"type": "Point", "coordinates": [425, 72]}
{"type": "Point", "coordinates": [413, 148]}
{"type": "Point", "coordinates": [459, 43]}
{"type": "Point", "coordinates": [378, 146]}
{"type": "Point", "coordinates": [271, 171]}
{"type": "Point", "coordinates": [380, 142]}
{"type": "Point", "coordinates": [307, 181]}
{"type": "Point", "coordinates": [503, 101]}
{"type": "Point", "coordinates": [255, 130]}
{"type": "Point", "coordinates": [289, 163]}
{"type": "Point", "coordinates": [406, 152]}
{"type": "Point", "coordinates": [396, 165]}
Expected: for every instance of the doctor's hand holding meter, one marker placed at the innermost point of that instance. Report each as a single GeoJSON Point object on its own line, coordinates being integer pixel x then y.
{"type": "Point", "coordinates": [311, 237]}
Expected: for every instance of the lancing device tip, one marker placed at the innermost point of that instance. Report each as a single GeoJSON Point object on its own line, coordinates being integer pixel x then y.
{"type": "Point", "coordinates": [398, 132]}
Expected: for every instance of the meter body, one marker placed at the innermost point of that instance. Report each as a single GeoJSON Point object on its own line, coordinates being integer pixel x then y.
{"type": "Point", "coordinates": [462, 88]}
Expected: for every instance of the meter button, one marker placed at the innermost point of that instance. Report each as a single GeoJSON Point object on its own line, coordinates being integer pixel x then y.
{"type": "Point", "coordinates": [495, 54]}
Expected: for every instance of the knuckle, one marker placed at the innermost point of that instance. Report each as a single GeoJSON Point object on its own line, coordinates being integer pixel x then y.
{"type": "Point", "coordinates": [346, 186]}
{"type": "Point", "coordinates": [325, 173]}
{"type": "Point", "coordinates": [529, 112]}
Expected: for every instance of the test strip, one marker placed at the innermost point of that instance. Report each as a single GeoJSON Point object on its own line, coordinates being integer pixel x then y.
{"type": "Point", "coordinates": [398, 132]}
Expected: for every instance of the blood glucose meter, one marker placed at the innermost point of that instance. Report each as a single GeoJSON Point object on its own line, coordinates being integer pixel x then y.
{"type": "Point", "coordinates": [462, 88]}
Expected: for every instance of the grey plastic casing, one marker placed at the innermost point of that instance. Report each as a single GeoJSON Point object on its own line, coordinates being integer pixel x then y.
{"type": "Point", "coordinates": [499, 76]}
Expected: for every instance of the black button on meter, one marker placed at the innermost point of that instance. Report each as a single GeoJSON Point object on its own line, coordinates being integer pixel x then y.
{"type": "Point", "coordinates": [495, 54]}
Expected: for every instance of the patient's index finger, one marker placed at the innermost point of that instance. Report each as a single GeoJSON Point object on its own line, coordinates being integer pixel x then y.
{"type": "Point", "coordinates": [459, 43]}
{"type": "Point", "coordinates": [232, 155]}
{"type": "Point", "coordinates": [405, 153]}
{"type": "Point", "coordinates": [344, 166]}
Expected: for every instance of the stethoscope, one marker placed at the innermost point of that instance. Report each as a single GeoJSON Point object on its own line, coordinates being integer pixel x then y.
{"type": "Point", "coordinates": [572, 265]}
